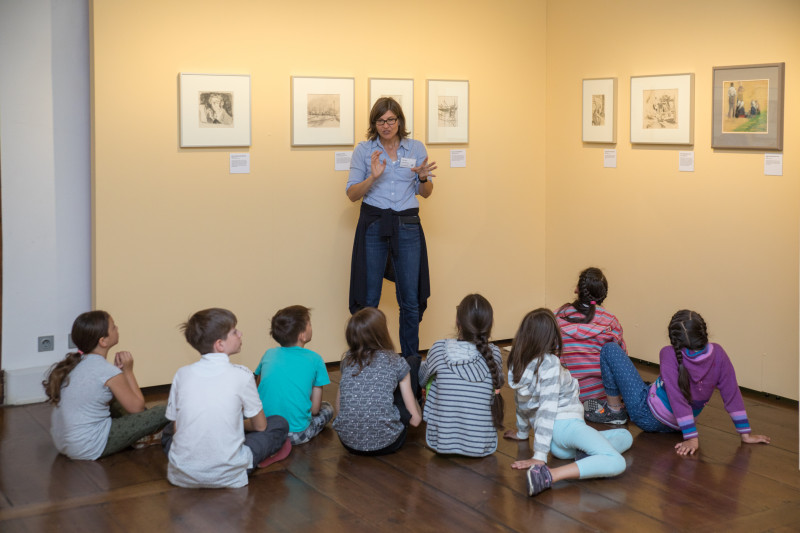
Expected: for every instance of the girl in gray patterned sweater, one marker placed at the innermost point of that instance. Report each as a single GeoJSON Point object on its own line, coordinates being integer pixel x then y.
{"type": "Point", "coordinates": [375, 401]}
{"type": "Point", "coordinates": [546, 395]}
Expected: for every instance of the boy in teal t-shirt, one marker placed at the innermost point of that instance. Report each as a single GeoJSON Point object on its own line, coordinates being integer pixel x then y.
{"type": "Point", "coordinates": [290, 378]}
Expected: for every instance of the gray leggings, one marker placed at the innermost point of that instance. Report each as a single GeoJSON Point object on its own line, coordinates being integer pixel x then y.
{"type": "Point", "coordinates": [126, 429]}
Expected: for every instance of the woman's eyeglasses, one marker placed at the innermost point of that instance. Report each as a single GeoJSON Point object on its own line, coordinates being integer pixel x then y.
{"type": "Point", "coordinates": [389, 121]}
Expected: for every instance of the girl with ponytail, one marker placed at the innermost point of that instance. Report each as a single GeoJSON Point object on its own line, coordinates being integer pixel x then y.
{"type": "Point", "coordinates": [464, 408]}
{"type": "Point", "coordinates": [586, 326]}
{"type": "Point", "coordinates": [81, 388]}
{"type": "Point", "coordinates": [546, 395]}
{"type": "Point", "coordinates": [691, 369]}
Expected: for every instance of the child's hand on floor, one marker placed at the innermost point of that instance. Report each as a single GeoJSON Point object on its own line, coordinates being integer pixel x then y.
{"type": "Point", "coordinates": [687, 447]}
{"type": "Point", "coordinates": [526, 463]}
{"type": "Point", "coordinates": [749, 438]}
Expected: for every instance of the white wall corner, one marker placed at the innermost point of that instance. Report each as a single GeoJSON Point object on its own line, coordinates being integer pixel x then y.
{"type": "Point", "coordinates": [24, 385]}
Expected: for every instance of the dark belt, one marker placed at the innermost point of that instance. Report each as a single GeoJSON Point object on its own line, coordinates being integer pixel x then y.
{"type": "Point", "coordinates": [409, 219]}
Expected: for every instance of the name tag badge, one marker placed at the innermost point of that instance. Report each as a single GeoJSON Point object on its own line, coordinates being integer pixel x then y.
{"type": "Point", "coordinates": [407, 162]}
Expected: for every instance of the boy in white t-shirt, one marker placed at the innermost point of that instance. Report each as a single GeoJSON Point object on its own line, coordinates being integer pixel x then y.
{"type": "Point", "coordinates": [219, 434]}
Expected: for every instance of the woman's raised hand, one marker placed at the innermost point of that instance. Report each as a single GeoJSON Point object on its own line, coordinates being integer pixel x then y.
{"type": "Point", "coordinates": [377, 166]}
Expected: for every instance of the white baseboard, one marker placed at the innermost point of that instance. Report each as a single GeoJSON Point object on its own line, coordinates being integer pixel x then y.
{"type": "Point", "coordinates": [24, 385]}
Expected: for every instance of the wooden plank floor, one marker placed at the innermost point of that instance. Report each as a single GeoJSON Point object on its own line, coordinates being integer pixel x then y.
{"type": "Point", "coordinates": [320, 487]}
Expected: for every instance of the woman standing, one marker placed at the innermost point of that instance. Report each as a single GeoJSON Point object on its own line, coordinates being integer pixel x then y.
{"type": "Point", "coordinates": [387, 172]}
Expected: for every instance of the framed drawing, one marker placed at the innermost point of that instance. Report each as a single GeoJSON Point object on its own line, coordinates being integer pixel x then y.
{"type": "Point", "coordinates": [215, 110]}
{"type": "Point", "coordinates": [402, 90]}
{"type": "Point", "coordinates": [662, 109]}
{"type": "Point", "coordinates": [600, 110]}
{"type": "Point", "coordinates": [323, 111]}
{"type": "Point", "coordinates": [748, 107]}
{"type": "Point", "coordinates": [448, 112]}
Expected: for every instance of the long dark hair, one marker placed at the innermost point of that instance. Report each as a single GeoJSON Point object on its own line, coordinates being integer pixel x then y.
{"type": "Point", "coordinates": [687, 329]}
{"type": "Point", "coordinates": [592, 290]}
{"type": "Point", "coordinates": [87, 330]}
{"type": "Point", "coordinates": [366, 335]}
{"type": "Point", "coordinates": [474, 319]}
{"type": "Point", "coordinates": [537, 335]}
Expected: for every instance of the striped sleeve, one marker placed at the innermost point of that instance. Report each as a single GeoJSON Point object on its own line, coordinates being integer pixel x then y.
{"type": "Point", "coordinates": [731, 395]}
{"type": "Point", "coordinates": [545, 415]}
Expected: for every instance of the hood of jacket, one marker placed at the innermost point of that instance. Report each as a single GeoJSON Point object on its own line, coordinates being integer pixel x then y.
{"type": "Point", "coordinates": [465, 361]}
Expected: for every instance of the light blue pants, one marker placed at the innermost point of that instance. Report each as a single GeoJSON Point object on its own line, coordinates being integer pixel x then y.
{"type": "Point", "coordinates": [604, 448]}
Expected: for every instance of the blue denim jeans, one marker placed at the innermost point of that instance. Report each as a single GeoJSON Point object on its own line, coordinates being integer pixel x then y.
{"type": "Point", "coordinates": [406, 268]}
{"type": "Point", "coordinates": [620, 378]}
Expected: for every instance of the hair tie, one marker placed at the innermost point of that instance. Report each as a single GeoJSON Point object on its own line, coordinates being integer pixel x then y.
{"type": "Point", "coordinates": [593, 302]}
{"type": "Point", "coordinates": [80, 352]}
{"type": "Point", "coordinates": [496, 392]}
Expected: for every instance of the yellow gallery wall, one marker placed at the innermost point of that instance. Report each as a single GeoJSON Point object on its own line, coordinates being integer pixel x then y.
{"type": "Point", "coordinates": [174, 232]}
{"type": "Point", "coordinates": [722, 240]}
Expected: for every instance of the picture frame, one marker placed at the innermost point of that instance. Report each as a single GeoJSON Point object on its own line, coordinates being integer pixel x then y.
{"type": "Point", "coordinates": [758, 123]}
{"type": "Point", "coordinates": [323, 111]}
{"type": "Point", "coordinates": [401, 89]}
{"type": "Point", "coordinates": [599, 110]}
{"type": "Point", "coordinates": [662, 109]}
{"type": "Point", "coordinates": [214, 110]}
{"type": "Point", "coordinates": [448, 112]}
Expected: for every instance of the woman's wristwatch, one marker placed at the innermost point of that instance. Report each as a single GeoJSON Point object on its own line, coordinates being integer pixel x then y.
{"type": "Point", "coordinates": [422, 180]}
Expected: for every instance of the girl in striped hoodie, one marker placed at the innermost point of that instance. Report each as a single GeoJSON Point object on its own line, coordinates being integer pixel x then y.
{"type": "Point", "coordinates": [464, 408]}
{"type": "Point", "coordinates": [691, 368]}
{"type": "Point", "coordinates": [547, 400]}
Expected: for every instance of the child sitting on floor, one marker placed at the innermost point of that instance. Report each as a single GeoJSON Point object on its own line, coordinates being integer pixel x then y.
{"type": "Point", "coordinates": [547, 400]}
{"type": "Point", "coordinates": [290, 378]}
{"type": "Point", "coordinates": [220, 433]}
{"type": "Point", "coordinates": [691, 369]}
{"type": "Point", "coordinates": [464, 408]}
{"type": "Point", "coordinates": [84, 388]}
{"type": "Point", "coordinates": [375, 402]}
{"type": "Point", "coordinates": [586, 326]}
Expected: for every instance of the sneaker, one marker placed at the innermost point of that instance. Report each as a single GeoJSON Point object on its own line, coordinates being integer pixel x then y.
{"type": "Point", "coordinates": [598, 411]}
{"type": "Point", "coordinates": [539, 479]}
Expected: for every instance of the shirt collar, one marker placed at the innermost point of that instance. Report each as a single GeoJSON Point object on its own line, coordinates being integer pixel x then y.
{"type": "Point", "coordinates": [215, 357]}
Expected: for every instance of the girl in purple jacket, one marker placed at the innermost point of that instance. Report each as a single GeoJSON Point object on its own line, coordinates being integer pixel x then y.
{"type": "Point", "coordinates": [691, 368]}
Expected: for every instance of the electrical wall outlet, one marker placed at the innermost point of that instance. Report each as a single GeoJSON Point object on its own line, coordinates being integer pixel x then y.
{"type": "Point", "coordinates": [70, 344]}
{"type": "Point", "coordinates": [46, 343]}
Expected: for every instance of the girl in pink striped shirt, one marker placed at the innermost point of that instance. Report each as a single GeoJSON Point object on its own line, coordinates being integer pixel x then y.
{"type": "Point", "coordinates": [585, 327]}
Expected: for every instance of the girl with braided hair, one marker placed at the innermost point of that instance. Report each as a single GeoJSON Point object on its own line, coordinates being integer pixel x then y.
{"type": "Point", "coordinates": [546, 395]}
{"type": "Point", "coordinates": [586, 326]}
{"type": "Point", "coordinates": [691, 368]}
{"type": "Point", "coordinates": [464, 408]}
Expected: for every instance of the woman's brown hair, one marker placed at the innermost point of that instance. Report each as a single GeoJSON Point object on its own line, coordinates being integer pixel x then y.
{"type": "Point", "coordinates": [381, 107]}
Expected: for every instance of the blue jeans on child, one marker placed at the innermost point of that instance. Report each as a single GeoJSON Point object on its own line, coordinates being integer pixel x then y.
{"type": "Point", "coordinates": [406, 268]}
{"type": "Point", "coordinates": [620, 378]}
{"type": "Point", "coordinates": [602, 447]}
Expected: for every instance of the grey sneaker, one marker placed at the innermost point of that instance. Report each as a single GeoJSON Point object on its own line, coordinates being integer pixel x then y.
{"type": "Point", "coordinates": [598, 411]}
{"type": "Point", "coordinates": [539, 479]}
